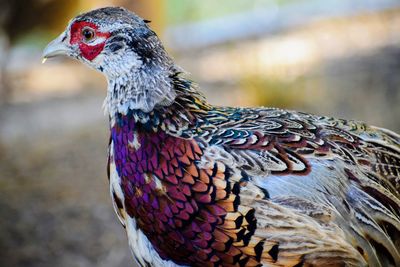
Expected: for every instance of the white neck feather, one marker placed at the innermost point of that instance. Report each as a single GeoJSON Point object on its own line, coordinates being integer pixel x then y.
{"type": "Point", "coordinates": [135, 86]}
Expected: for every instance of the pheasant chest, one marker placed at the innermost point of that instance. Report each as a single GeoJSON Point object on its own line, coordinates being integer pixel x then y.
{"type": "Point", "coordinates": [184, 210]}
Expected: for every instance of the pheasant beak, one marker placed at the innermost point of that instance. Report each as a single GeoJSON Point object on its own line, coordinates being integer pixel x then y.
{"type": "Point", "coordinates": [57, 47]}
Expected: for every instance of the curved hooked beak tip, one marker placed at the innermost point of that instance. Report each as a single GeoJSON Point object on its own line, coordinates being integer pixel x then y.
{"type": "Point", "coordinates": [57, 47]}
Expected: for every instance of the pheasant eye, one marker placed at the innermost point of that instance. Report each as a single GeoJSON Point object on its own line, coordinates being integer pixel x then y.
{"type": "Point", "coordinates": [88, 34]}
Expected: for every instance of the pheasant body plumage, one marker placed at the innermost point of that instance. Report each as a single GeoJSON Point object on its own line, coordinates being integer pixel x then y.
{"type": "Point", "coordinates": [200, 185]}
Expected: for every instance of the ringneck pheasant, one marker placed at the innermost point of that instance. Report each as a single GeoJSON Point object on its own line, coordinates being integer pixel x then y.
{"type": "Point", "coordinates": [200, 185]}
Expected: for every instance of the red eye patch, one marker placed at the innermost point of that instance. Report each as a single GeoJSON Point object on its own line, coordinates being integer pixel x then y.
{"type": "Point", "coordinates": [88, 51]}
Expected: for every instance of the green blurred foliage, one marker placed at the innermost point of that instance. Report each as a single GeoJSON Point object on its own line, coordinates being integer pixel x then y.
{"type": "Point", "coordinates": [279, 93]}
{"type": "Point", "coordinates": [179, 11]}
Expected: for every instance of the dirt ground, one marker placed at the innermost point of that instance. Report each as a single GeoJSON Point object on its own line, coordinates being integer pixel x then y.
{"type": "Point", "coordinates": [54, 196]}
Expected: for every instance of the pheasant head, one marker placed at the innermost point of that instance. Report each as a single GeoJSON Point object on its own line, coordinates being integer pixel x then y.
{"type": "Point", "coordinates": [119, 44]}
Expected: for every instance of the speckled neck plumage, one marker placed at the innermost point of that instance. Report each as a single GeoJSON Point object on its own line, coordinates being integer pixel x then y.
{"type": "Point", "coordinates": [175, 118]}
{"type": "Point", "coordinates": [141, 90]}
{"type": "Point", "coordinates": [140, 73]}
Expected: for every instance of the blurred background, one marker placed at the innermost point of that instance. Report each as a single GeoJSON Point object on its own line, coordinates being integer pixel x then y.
{"type": "Point", "coordinates": [339, 58]}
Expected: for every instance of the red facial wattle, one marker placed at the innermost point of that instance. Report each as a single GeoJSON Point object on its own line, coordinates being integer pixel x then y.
{"type": "Point", "coordinates": [88, 51]}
